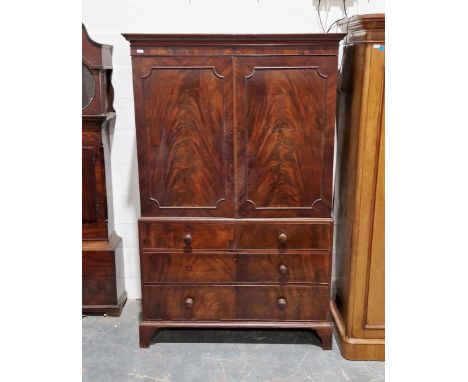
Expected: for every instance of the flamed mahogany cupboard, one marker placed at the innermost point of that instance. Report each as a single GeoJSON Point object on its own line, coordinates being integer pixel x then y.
{"type": "Point", "coordinates": [235, 138]}
{"type": "Point", "coordinates": [102, 269]}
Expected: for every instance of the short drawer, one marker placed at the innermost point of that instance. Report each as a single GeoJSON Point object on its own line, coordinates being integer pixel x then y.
{"type": "Point", "coordinates": [218, 303]}
{"type": "Point", "coordinates": [180, 302]}
{"type": "Point", "coordinates": [283, 268]}
{"type": "Point", "coordinates": [186, 235]}
{"type": "Point", "coordinates": [285, 236]}
{"type": "Point", "coordinates": [187, 267]}
{"type": "Point", "coordinates": [295, 303]}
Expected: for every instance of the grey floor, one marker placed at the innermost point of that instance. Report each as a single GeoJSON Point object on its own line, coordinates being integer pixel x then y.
{"type": "Point", "coordinates": [111, 353]}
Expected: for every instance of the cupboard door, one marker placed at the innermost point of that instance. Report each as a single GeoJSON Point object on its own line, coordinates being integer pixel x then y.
{"type": "Point", "coordinates": [184, 135]}
{"type": "Point", "coordinates": [284, 112]}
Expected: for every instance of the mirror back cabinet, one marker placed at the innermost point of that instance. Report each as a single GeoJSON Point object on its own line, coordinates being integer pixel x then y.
{"type": "Point", "coordinates": [235, 142]}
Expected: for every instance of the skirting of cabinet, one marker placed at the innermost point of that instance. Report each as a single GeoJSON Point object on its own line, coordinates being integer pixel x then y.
{"type": "Point", "coordinates": [356, 349]}
{"type": "Point", "coordinates": [322, 328]}
{"type": "Point", "coordinates": [110, 310]}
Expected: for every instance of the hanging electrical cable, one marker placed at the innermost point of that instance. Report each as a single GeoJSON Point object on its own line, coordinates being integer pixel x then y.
{"type": "Point", "coordinates": [320, 18]}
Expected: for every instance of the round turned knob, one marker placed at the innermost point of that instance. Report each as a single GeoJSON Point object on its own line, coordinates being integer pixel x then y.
{"type": "Point", "coordinates": [188, 239]}
{"type": "Point", "coordinates": [188, 302]}
{"type": "Point", "coordinates": [283, 269]}
{"type": "Point", "coordinates": [283, 238]}
{"type": "Point", "coordinates": [281, 303]}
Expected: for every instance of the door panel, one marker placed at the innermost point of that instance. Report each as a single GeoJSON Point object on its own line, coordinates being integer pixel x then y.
{"type": "Point", "coordinates": [285, 121]}
{"type": "Point", "coordinates": [184, 135]}
{"type": "Point", "coordinates": [94, 198]}
{"type": "Point", "coordinates": [88, 183]}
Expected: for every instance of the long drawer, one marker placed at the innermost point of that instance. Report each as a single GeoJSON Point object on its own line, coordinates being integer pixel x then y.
{"type": "Point", "coordinates": [215, 303]}
{"type": "Point", "coordinates": [240, 267]}
{"type": "Point", "coordinates": [241, 235]}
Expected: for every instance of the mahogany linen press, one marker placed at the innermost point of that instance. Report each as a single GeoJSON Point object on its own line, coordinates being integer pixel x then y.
{"type": "Point", "coordinates": [235, 138]}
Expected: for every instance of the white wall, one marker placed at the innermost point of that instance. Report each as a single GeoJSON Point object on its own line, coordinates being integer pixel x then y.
{"type": "Point", "coordinates": [107, 19]}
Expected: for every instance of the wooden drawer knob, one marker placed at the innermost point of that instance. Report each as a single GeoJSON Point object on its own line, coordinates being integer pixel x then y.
{"type": "Point", "coordinates": [281, 303]}
{"type": "Point", "coordinates": [283, 269]}
{"type": "Point", "coordinates": [188, 302]}
{"type": "Point", "coordinates": [283, 238]}
{"type": "Point", "coordinates": [188, 239]}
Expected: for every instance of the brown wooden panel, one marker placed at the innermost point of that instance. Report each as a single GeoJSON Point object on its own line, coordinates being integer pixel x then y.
{"type": "Point", "coordinates": [172, 235]}
{"type": "Point", "coordinates": [188, 267]}
{"type": "Point", "coordinates": [240, 268]}
{"type": "Point", "coordinates": [89, 192]}
{"type": "Point", "coordinates": [184, 136]}
{"type": "Point", "coordinates": [298, 236]}
{"type": "Point", "coordinates": [172, 303]}
{"type": "Point", "coordinates": [375, 304]}
{"type": "Point", "coordinates": [285, 121]}
{"type": "Point", "coordinates": [180, 302]}
{"type": "Point", "coordinates": [98, 278]}
{"type": "Point", "coordinates": [94, 197]}
{"type": "Point", "coordinates": [301, 303]}
{"type": "Point", "coordinates": [283, 268]}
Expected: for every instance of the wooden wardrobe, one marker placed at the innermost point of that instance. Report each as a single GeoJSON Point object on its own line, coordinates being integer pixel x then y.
{"type": "Point", "coordinates": [358, 304]}
{"type": "Point", "coordinates": [102, 271]}
{"type": "Point", "coordinates": [235, 142]}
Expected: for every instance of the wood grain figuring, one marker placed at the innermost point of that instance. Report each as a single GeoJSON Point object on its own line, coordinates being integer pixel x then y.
{"type": "Point", "coordinates": [188, 268]}
{"type": "Point", "coordinates": [282, 170]}
{"type": "Point", "coordinates": [310, 268]}
{"type": "Point", "coordinates": [285, 136]}
{"type": "Point", "coordinates": [184, 135]}
{"type": "Point", "coordinates": [169, 302]}
{"type": "Point", "coordinates": [261, 268]}
{"type": "Point", "coordinates": [171, 235]}
{"type": "Point", "coordinates": [235, 138]}
{"type": "Point", "coordinates": [301, 303]}
{"type": "Point", "coordinates": [358, 305]}
{"type": "Point", "coordinates": [299, 236]}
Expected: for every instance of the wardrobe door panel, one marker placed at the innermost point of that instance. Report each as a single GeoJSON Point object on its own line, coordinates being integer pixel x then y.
{"type": "Point", "coordinates": [284, 114]}
{"type": "Point", "coordinates": [184, 135]}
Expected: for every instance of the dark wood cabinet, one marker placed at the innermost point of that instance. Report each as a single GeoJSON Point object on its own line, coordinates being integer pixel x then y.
{"type": "Point", "coordinates": [102, 272]}
{"type": "Point", "coordinates": [235, 138]}
{"type": "Point", "coordinates": [358, 301]}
